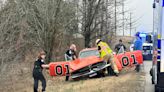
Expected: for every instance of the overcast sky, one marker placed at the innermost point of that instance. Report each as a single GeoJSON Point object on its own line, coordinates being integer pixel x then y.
{"type": "Point", "coordinates": [143, 10]}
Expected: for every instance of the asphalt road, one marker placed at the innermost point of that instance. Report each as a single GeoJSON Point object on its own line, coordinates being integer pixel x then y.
{"type": "Point", "coordinates": [148, 85]}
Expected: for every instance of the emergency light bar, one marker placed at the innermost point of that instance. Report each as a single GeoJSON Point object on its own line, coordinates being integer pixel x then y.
{"type": "Point", "coordinates": [142, 35]}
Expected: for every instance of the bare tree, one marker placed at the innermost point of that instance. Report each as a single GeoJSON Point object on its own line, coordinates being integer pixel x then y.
{"type": "Point", "coordinates": [45, 24]}
{"type": "Point", "coordinates": [29, 24]}
{"type": "Point", "coordinates": [90, 11]}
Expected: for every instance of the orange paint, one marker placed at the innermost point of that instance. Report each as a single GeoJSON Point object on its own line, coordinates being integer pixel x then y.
{"type": "Point", "coordinates": [126, 59]}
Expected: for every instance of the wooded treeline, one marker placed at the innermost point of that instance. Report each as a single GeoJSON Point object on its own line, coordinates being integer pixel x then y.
{"type": "Point", "coordinates": [52, 25]}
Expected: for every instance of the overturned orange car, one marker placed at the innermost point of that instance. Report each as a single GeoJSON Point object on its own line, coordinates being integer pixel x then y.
{"type": "Point", "coordinates": [89, 64]}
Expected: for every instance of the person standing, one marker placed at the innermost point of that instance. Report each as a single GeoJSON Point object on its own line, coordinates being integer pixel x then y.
{"type": "Point", "coordinates": [107, 55]}
{"type": "Point", "coordinates": [37, 72]}
{"type": "Point", "coordinates": [138, 46]}
{"type": "Point", "coordinates": [70, 55]}
{"type": "Point", "coordinates": [138, 42]}
{"type": "Point", "coordinates": [119, 45]}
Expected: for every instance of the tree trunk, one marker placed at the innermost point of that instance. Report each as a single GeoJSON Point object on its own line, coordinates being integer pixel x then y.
{"type": "Point", "coordinates": [87, 37]}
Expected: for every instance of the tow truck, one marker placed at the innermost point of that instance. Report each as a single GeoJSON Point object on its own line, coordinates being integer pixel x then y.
{"type": "Point", "coordinates": [157, 70]}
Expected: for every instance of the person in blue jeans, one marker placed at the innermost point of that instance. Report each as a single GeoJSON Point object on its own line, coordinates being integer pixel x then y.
{"type": "Point", "coordinates": [137, 46]}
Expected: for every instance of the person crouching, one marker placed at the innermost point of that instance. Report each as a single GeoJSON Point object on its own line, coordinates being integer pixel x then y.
{"type": "Point", "coordinates": [107, 55]}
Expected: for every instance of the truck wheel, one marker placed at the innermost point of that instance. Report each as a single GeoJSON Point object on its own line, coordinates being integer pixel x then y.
{"type": "Point", "coordinates": [151, 72]}
{"type": "Point", "coordinates": [156, 89]}
{"type": "Point", "coordinates": [152, 80]}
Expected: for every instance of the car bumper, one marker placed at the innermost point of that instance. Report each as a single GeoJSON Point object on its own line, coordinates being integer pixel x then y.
{"type": "Point", "coordinates": [92, 72]}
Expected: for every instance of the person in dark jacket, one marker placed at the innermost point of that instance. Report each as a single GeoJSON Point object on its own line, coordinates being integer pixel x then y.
{"type": "Point", "coordinates": [37, 72]}
{"type": "Point", "coordinates": [70, 55]}
{"type": "Point", "coordinates": [119, 45]}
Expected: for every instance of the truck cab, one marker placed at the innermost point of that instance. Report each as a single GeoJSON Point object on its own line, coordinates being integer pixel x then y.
{"type": "Point", "coordinates": [147, 47]}
{"type": "Point", "coordinates": [157, 70]}
{"type": "Point", "coordinates": [147, 51]}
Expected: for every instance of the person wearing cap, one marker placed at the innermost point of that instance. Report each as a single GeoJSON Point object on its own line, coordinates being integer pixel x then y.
{"type": "Point", "coordinates": [138, 42]}
{"type": "Point", "coordinates": [37, 71]}
{"type": "Point", "coordinates": [70, 55]}
{"type": "Point", "coordinates": [107, 55]}
{"type": "Point", "coordinates": [119, 45]}
{"type": "Point", "coordinates": [137, 46]}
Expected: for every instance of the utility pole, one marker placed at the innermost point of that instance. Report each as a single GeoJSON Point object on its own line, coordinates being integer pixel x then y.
{"type": "Point", "coordinates": [154, 6]}
{"type": "Point", "coordinates": [123, 17]}
{"type": "Point", "coordinates": [130, 23]}
{"type": "Point", "coordinates": [115, 17]}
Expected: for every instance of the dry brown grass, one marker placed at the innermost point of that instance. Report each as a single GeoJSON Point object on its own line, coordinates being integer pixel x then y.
{"type": "Point", "coordinates": [128, 81]}
{"type": "Point", "coordinates": [18, 78]}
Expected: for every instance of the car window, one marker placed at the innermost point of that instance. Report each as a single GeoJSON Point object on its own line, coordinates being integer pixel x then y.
{"type": "Point", "coordinates": [89, 53]}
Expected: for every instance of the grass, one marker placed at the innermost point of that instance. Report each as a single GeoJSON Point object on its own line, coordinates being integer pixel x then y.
{"type": "Point", "coordinates": [126, 82]}
{"type": "Point", "coordinates": [21, 81]}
